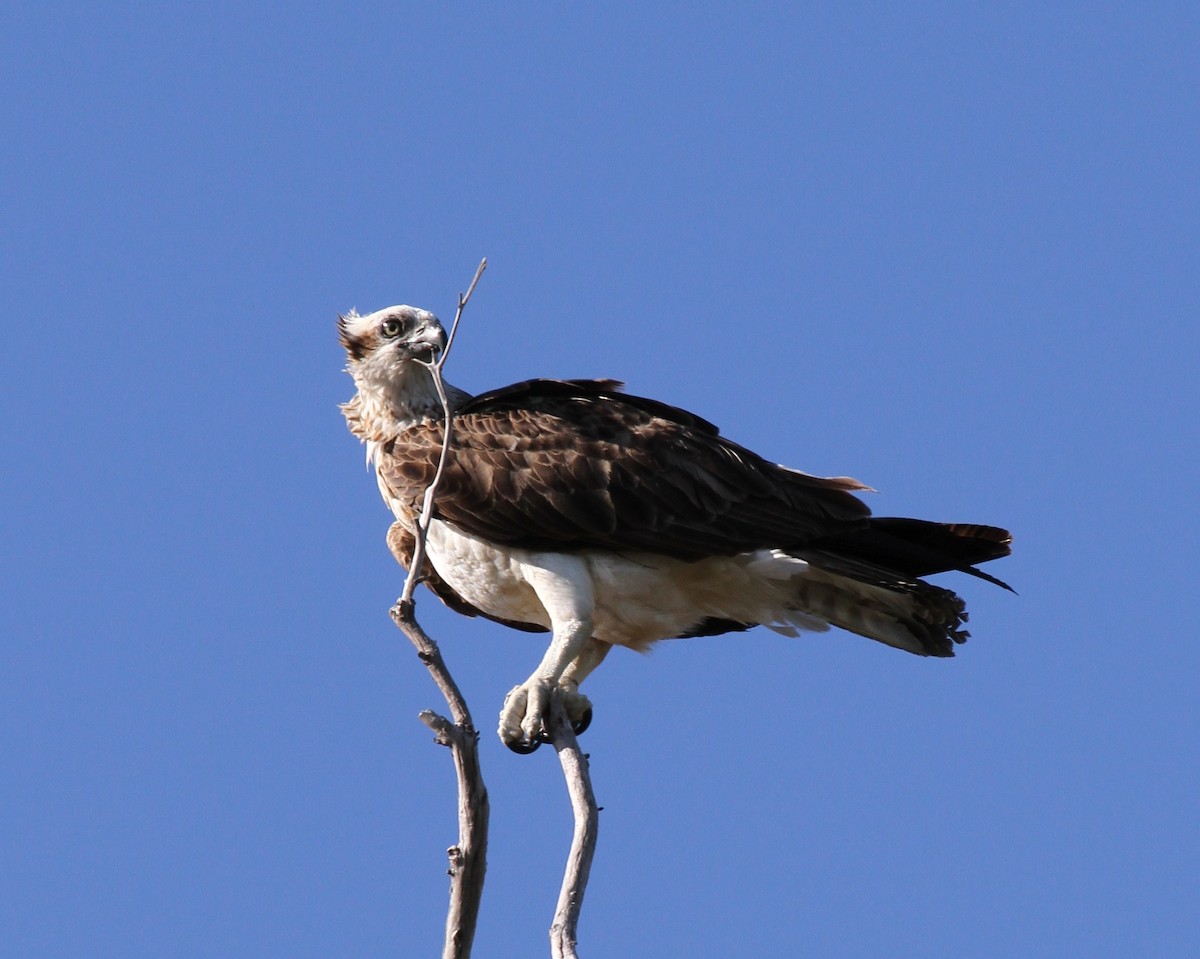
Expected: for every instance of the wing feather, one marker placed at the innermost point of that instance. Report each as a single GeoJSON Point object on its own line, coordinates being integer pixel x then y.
{"type": "Point", "coordinates": [575, 464]}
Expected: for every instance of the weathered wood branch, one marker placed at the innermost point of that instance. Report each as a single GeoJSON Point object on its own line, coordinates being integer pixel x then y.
{"type": "Point", "coordinates": [468, 858]}
{"type": "Point", "coordinates": [578, 778]}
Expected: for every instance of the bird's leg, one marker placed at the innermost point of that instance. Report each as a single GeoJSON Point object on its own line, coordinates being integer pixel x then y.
{"type": "Point", "coordinates": [527, 707]}
{"type": "Point", "coordinates": [564, 588]}
{"type": "Point", "coordinates": [578, 706]}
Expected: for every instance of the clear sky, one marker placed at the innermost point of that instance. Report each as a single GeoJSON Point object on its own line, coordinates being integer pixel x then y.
{"type": "Point", "coordinates": [950, 249]}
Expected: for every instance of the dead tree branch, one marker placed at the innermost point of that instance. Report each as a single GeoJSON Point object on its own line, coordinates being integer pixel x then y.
{"type": "Point", "coordinates": [468, 859]}
{"type": "Point", "coordinates": [583, 842]}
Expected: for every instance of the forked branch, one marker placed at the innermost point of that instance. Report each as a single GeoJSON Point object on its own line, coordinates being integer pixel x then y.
{"type": "Point", "coordinates": [468, 859]}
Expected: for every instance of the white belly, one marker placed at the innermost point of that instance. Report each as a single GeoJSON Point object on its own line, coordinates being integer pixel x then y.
{"type": "Point", "coordinates": [486, 577]}
{"type": "Point", "coordinates": [637, 598]}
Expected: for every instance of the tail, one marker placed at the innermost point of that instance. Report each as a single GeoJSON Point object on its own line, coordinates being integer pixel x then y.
{"type": "Point", "coordinates": [916, 547]}
{"type": "Point", "coordinates": [867, 580]}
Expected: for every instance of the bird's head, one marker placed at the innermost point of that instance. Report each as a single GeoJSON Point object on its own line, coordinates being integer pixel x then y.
{"type": "Point", "coordinates": [391, 337]}
{"type": "Point", "coordinates": [389, 355]}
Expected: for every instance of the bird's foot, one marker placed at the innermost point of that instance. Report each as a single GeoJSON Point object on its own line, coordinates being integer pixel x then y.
{"type": "Point", "coordinates": [525, 717]}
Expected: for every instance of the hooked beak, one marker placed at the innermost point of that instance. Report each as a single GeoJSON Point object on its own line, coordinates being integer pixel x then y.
{"type": "Point", "coordinates": [427, 341]}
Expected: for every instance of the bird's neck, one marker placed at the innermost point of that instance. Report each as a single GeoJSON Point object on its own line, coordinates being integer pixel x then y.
{"type": "Point", "coordinates": [384, 406]}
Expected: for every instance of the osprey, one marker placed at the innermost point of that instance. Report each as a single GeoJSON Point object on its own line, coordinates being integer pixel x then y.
{"type": "Point", "coordinates": [609, 519]}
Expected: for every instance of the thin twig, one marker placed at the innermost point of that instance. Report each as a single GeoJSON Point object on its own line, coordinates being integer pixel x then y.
{"type": "Point", "coordinates": [468, 859]}
{"type": "Point", "coordinates": [462, 302]}
{"type": "Point", "coordinates": [583, 841]}
{"type": "Point", "coordinates": [426, 517]}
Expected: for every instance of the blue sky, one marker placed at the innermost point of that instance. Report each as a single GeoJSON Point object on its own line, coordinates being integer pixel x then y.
{"type": "Point", "coordinates": [948, 249]}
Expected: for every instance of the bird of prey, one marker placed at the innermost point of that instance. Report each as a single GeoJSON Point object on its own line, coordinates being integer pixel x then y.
{"type": "Point", "coordinates": [609, 519]}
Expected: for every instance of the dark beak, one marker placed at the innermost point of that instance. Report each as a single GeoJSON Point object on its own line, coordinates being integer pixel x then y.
{"type": "Point", "coordinates": [427, 341]}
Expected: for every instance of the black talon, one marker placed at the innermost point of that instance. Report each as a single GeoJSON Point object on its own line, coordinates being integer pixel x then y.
{"type": "Point", "coordinates": [525, 748]}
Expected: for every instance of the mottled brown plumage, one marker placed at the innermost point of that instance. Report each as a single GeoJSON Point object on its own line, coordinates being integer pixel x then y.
{"type": "Point", "coordinates": [571, 465]}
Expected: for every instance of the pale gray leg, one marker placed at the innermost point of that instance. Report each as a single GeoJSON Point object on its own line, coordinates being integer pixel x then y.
{"type": "Point", "coordinates": [564, 588]}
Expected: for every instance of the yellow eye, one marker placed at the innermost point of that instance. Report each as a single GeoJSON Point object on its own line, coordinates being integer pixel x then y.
{"type": "Point", "coordinates": [391, 327]}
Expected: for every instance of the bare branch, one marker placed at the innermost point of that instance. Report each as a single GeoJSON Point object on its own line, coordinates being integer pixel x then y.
{"type": "Point", "coordinates": [468, 859]}
{"type": "Point", "coordinates": [583, 841]}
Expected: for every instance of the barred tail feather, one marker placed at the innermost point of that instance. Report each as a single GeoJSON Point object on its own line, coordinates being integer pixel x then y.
{"type": "Point", "coordinates": [917, 617]}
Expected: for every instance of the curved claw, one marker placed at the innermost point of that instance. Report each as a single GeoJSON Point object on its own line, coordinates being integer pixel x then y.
{"type": "Point", "coordinates": [582, 723]}
{"type": "Point", "coordinates": [523, 748]}
{"type": "Point", "coordinates": [523, 720]}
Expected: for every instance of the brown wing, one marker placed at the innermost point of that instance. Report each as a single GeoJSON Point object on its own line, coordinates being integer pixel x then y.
{"type": "Point", "coordinates": [566, 465]}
